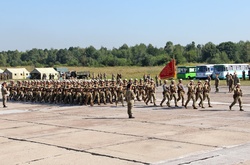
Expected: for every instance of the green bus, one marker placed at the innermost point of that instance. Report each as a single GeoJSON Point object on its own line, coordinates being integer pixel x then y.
{"type": "Point", "coordinates": [186, 72]}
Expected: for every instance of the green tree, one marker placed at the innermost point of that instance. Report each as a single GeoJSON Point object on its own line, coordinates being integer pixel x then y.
{"type": "Point", "coordinates": [230, 49]}
{"type": "Point", "coordinates": [246, 52]}
{"type": "Point", "coordinates": [208, 51]}
{"type": "Point", "coordinates": [178, 53]}
{"type": "Point", "coordinates": [169, 48]}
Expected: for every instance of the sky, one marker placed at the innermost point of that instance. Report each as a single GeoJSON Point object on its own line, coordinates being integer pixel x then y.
{"type": "Point", "coordinates": [59, 24]}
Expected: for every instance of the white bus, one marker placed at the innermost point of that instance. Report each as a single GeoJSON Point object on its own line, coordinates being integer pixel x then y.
{"type": "Point", "coordinates": [203, 71]}
{"type": "Point", "coordinates": [223, 69]}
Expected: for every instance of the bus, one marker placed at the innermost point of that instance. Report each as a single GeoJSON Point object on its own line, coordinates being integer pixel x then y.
{"type": "Point", "coordinates": [222, 69]}
{"type": "Point", "coordinates": [203, 71]}
{"type": "Point", "coordinates": [186, 72]}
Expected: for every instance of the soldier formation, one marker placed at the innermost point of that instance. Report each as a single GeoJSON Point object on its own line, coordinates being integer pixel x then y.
{"type": "Point", "coordinates": [99, 91]}
{"type": "Point", "coordinates": [80, 92]}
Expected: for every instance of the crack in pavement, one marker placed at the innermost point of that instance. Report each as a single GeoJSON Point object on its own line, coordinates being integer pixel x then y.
{"type": "Point", "coordinates": [36, 160]}
{"type": "Point", "coordinates": [78, 150]}
{"type": "Point", "coordinates": [201, 159]}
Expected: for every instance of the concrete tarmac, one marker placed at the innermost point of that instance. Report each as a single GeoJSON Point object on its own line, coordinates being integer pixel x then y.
{"type": "Point", "coordinates": [39, 134]}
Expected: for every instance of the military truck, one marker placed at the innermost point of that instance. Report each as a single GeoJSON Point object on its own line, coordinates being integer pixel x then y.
{"type": "Point", "coordinates": [78, 75]}
{"type": "Point", "coordinates": [83, 74]}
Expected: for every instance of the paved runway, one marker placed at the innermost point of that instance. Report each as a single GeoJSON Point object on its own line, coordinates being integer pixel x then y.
{"type": "Point", "coordinates": [67, 135]}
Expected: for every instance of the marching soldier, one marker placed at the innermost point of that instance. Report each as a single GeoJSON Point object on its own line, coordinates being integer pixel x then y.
{"type": "Point", "coordinates": [206, 90]}
{"type": "Point", "coordinates": [136, 89]}
{"type": "Point", "coordinates": [89, 97]}
{"type": "Point", "coordinates": [199, 93]}
{"type": "Point", "coordinates": [191, 94]}
{"type": "Point", "coordinates": [113, 89]}
{"type": "Point", "coordinates": [141, 89]}
{"type": "Point", "coordinates": [96, 94]}
{"type": "Point", "coordinates": [237, 97]}
{"type": "Point", "coordinates": [151, 93]}
{"type": "Point", "coordinates": [102, 92]}
{"type": "Point", "coordinates": [120, 94]}
{"type": "Point", "coordinates": [181, 92]}
{"type": "Point", "coordinates": [108, 92]}
{"type": "Point", "coordinates": [165, 94]}
{"type": "Point", "coordinates": [5, 93]}
{"type": "Point", "coordinates": [173, 89]}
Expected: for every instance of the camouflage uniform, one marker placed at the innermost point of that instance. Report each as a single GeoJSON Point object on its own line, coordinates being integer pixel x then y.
{"type": "Point", "coordinates": [180, 92]}
{"type": "Point", "coordinates": [217, 82]}
{"type": "Point", "coordinates": [173, 89]}
{"type": "Point", "coordinates": [191, 94]}
{"type": "Point", "coordinates": [130, 96]}
{"type": "Point", "coordinates": [230, 84]}
{"type": "Point", "coordinates": [199, 93]}
{"type": "Point", "coordinates": [151, 93]}
{"type": "Point", "coordinates": [120, 95]}
{"type": "Point", "coordinates": [165, 94]}
{"type": "Point", "coordinates": [237, 97]}
{"type": "Point", "coordinates": [206, 90]}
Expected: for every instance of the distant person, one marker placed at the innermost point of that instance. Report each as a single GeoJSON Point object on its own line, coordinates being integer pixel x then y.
{"type": "Point", "coordinates": [5, 93]}
{"type": "Point", "coordinates": [249, 73]}
{"type": "Point", "coordinates": [243, 75]}
{"type": "Point", "coordinates": [237, 97]}
{"type": "Point", "coordinates": [130, 96]}
{"type": "Point", "coordinates": [227, 78]}
{"type": "Point", "coordinates": [236, 79]}
{"type": "Point", "coordinates": [209, 79]}
{"type": "Point", "coordinates": [157, 80]}
{"type": "Point", "coordinates": [216, 83]}
{"type": "Point", "coordinates": [230, 84]}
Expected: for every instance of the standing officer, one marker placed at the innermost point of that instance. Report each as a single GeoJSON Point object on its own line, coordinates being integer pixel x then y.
{"type": "Point", "coordinates": [5, 93]}
{"type": "Point", "coordinates": [237, 97]}
{"type": "Point", "coordinates": [130, 96]}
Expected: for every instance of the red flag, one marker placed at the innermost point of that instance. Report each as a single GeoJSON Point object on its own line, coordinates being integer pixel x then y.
{"type": "Point", "coordinates": [168, 71]}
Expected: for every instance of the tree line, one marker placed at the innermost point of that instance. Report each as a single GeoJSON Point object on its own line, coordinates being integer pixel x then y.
{"type": "Point", "coordinates": [138, 55]}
